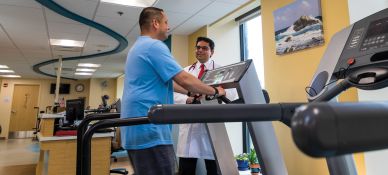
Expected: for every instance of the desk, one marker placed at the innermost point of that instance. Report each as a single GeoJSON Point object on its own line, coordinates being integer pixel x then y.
{"type": "Point", "coordinates": [58, 155]}
{"type": "Point", "coordinates": [47, 124]}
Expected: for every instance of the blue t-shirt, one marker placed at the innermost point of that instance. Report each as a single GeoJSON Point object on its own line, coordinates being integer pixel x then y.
{"type": "Point", "coordinates": [149, 70]}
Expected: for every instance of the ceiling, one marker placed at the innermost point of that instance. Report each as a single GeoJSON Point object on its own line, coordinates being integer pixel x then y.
{"type": "Point", "coordinates": [26, 27]}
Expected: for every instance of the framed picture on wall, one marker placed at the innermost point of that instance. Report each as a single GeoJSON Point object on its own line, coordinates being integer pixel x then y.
{"type": "Point", "coordinates": [298, 26]}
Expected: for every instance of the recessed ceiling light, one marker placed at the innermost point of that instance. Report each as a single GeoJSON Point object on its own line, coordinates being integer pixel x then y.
{"type": "Point", "coordinates": [6, 71]}
{"type": "Point", "coordinates": [66, 43]}
{"type": "Point", "coordinates": [3, 66]}
{"type": "Point", "coordinates": [85, 70]}
{"type": "Point", "coordinates": [10, 76]}
{"type": "Point", "coordinates": [83, 73]}
{"type": "Point", "coordinates": [88, 65]}
{"type": "Point", "coordinates": [136, 3]}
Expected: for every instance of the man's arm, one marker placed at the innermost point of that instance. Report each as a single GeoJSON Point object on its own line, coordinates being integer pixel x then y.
{"type": "Point", "coordinates": [188, 82]}
{"type": "Point", "coordinates": [179, 89]}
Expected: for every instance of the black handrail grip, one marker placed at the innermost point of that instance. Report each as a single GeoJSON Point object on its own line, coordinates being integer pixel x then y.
{"type": "Point", "coordinates": [81, 129]}
{"type": "Point", "coordinates": [212, 113]}
{"type": "Point", "coordinates": [87, 138]}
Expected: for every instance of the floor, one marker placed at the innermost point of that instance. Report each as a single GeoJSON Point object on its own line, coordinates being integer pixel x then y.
{"type": "Point", "coordinates": [20, 156]}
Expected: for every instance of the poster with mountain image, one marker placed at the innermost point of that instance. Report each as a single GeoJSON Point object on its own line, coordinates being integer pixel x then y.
{"type": "Point", "coordinates": [298, 26]}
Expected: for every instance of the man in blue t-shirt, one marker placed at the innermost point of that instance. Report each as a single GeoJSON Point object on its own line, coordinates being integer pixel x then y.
{"type": "Point", "coordinates": [151, 75]}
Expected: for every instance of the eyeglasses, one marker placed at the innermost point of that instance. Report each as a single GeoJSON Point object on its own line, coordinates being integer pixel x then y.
{"type": "Point", "coordinates": [205, 48]}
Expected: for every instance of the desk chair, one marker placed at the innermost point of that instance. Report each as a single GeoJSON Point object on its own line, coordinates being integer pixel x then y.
{"type": "Point", "coordinates": [116, 147]}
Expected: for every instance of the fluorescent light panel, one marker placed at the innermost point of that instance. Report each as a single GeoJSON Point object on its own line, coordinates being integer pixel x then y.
{"type": "Point", "coordinates": [10, 76]}
{"type": "Point", "coordinates": [88, 65]}
{"type": "Point", "coordinates": [83, 73]}
{"type": "Point", "coordinates": [6, 71]}
{"type": "Point", "coordinates": [136, 3]}
{"type": "Point", "coordinates": [85, 70]}
{"type": "Point", "coordinates": [66, 43]}
{"type": "Point", "coordinates": [3, 66]}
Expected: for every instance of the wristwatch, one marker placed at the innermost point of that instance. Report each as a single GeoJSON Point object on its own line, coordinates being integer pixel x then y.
{"type": "Point", "coordinates": [212, 97]}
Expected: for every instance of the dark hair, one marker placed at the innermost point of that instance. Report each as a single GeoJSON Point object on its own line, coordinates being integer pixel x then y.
{"type": "Point", "coordinates": [147, 14]}
{"type": "Point", "coordinates": [208, 40]}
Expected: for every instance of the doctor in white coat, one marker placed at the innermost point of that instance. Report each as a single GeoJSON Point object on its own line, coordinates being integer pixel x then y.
{"type": "Point", "coordinates": [193, 141]}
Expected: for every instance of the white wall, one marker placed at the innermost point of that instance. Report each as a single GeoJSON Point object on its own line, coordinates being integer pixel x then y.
{"type": "Point", "coordinates": [227, 42]}
{"type": "Point", "coordinates": [375, 161]}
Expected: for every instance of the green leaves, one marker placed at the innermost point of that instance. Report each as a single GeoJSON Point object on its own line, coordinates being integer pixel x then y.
{"type": "Point", "coordinates": [243, 156]}
{"type": "Point", "coordinates": [252, 157]}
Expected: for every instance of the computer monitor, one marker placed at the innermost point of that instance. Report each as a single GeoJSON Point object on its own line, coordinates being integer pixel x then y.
{"type": "Point", "coordinates": [75, 110]}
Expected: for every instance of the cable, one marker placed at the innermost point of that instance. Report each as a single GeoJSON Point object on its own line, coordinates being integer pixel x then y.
{"type": "Point", "coordinates": [341, 75]}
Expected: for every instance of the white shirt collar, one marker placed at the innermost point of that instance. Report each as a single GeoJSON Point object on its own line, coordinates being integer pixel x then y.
{"type": "Point", "coordinates": [208, 65]}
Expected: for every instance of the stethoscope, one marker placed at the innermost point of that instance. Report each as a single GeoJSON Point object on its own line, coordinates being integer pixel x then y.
{"type": "Point", "coordinates": [192, 67]}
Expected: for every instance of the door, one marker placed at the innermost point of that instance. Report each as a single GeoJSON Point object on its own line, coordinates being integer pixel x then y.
{"type": "Point", "coordinates": [23, 113]}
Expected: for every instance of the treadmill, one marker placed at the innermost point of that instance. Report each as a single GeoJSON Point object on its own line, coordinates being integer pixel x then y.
{"type": "Point", "coordinates": [243, 77]}
{"type": "Point", "coordinates": [342, 128]}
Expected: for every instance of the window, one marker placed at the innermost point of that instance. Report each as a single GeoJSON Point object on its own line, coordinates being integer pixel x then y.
{"type": "Point", "coordinates": [252, 44]}
{"type": "Point", "coordinates": [251, 47]}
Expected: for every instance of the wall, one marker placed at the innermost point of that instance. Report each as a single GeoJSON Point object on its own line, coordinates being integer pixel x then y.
{"type": "Point", "coordinates": [192, 42]}
{"type": "Point", "coordinates": [45, 98]}
{"type": "Point", "coordinates": [358, 9]}
{"type": "Point", "coordinates": [99, 90]}
{"type": "Point", "coordinates": [179, 49]}
{"type": "Point", "coordinates": [120, 86]}
{"type": "Point", "coordinates": [227, 42]}
{"type": "Point", "coordinates": [287, 76]}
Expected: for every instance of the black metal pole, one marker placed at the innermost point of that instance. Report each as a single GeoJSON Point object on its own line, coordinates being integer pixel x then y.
{"type": "Point", "coordinates": [87, 138]}
{"type": "Point", "coordinates": [81, 129]}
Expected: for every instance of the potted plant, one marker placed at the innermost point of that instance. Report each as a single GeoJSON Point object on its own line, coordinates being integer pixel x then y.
{"type": "Point", "coordinates": [254, 162]}
{"type": "Point", "coordinates": [242, 161]}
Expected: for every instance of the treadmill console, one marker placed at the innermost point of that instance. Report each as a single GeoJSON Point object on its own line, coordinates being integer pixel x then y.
{"type": "Point", "coordinates": [226, 75]}
{"type": "Point", "coordinates": [366, 45]}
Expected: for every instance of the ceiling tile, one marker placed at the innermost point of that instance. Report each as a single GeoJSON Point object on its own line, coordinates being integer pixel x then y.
{"type": "Point", "coordinates": [218, 9]}
{"type": "Point", "coordinates": [21, 3]}
{"type": "Point", "coordinates": [112, 11]}
{"type": "Point", "coordinates": [237, 2]}
{"type": "Point", "coordinates": [176, 18]}
{"type": "Point", "coordinates": [183, 6]}
{"type": "Point", "coordinates": [4, 40]}
{"type": "Point", "coordinates": [84, 8]}
{"type": "Point", "coordinates": [121, 26]}
{"type": "Point", "coordinates": [56, 27]}
{"type": "Point", "coordinates": [54, 17]}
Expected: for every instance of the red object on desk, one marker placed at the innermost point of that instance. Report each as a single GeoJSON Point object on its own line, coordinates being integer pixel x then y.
{"type": "Point", "coordinates": [66, 133]}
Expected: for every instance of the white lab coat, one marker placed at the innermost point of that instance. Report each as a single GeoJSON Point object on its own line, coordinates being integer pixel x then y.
{"type": "Point", "coordinates": [193, 141]}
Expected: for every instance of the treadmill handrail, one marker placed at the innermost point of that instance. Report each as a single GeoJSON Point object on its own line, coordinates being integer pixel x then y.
{"type": "Point", "coordinates": [87, 138]}
{"type": "Point", "coordinates": [181, 113]}
{"type": "Point", "coordinates": [332, 129]}
{"type": "Point", "coordinates": [81, 129]}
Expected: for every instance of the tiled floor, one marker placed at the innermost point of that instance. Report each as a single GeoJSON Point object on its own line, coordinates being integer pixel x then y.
{"type": "Point", "coordinates": [19, 157]}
